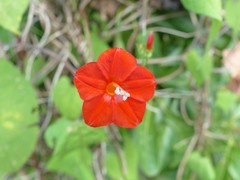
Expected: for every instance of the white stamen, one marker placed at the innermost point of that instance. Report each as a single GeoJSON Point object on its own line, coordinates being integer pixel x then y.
{"type": "Point", "coordinates": [124, 94]}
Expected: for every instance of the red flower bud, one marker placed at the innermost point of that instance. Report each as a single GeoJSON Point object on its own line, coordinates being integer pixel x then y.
{"type": "Point", "coordinates": [150, 41]}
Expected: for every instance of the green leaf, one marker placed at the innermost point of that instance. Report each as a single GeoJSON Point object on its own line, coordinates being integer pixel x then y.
{"type": "Point", "coordinates": [65, 135]}
{"type": "Point", "coordinates": [57, 132]}
{"type": "Point", "coordinates": [226, 100]}
{"type": "Point", "coordinates": [193, 62]}
{"type": "Point", "coordinates": [113, 166]}
{"type": "Point", "coordinates": [232, 14]}
{"type": "Point", "coordinates": [98, 45]}
{"type": "Point", "coordinates": [224, 163]}
{"type": "Point", "coordinates": [206, 67]}
{"type": "Point", "coordinates": [131, 157]}
{"type": "Point", "coordinates": [18, 118]}
{"type": "Point", "coordinates": [214, 29]}
{"type": "Point", "coordinates": [148, 134]}
{"type": "Point", "coordinates": [6, 36]}
{"type": "Point", "coordinates": [165, 144]}
{"type": "Point", "coordinates": [200, 67]}
{"type": "Point", "coordinates": [77, 164]}
{"type": "Point", "coordinates": [11, 13]}
{"type": "Point", "coordinates": [234, 167]}
{"type": "Point", "coordinates": [211, 8]}
{"type": "Point", "coordinates": [70, 141]}
{"type": "Point", "coordinates": [156, 140]}
{"type": "Point", "coordinates": [202, 166]}
{"type": "Point", "coordinates": [66, 99]}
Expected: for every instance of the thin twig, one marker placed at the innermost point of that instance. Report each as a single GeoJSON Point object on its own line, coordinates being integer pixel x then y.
{"type": "Point", "coordinates": [126, 11]}
{"type": "Point", "coordinates": [114, 138]}
{"type": "Point", "coordinates": [164, 60]}
{"type": "Point", "coordinates": [87, 34]}
{"type": "Point", "coordinates": [131, 40]}
{"type": "Point", "coordinates": [96, 164]}
{"type": "Point", "coordinates": [131, 18]}
{"type": "Point", "coordinates": [186, 155]}
{"type": "Point", "coordinates": [216, 136]}
{"type": "Point", "coordinates": [84, 4]}
{"type": "Point", "coordinates": [41, 12]}
{"type": "Point", "coordinates": [184, 113]}
{"type": "Point", "coordinates": [120, 29]}
{"type": "Point", "coordinates": [206, 107]}
{"type": "Point", "coordinates": [170, 76]}
{"type": "Point", "coordinates": [29, 22]}
{"type": "Point", "coordinates": [168, 93]}
{"type": "Point", "coordinates": [156, 19]}
{"type": "Point", "coordinates": [143, 23]}
{"type": "Point", "coordinates": [50, 104]}
{"type": "Point", "coordinates": [172, 32]}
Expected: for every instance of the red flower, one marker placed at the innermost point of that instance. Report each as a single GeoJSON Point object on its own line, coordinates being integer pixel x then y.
{"type": "Point", "coordinates": [114, 89]}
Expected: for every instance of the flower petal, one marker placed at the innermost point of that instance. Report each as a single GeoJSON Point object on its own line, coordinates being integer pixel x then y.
{"type": "Point", "coordinates": [89, 81]}
{"type": "Point", "coordinates": [105, 61]}
{"type": "Point", "coordinates": [140, 84]}
{"type": "Point", "coordinates": [98, 111]}
{"type": "Point", "coordinates": [128, 113]}
{"type": "Point", "coordinates": [116, 64]}
{"type": "Point", "coordinates": [123, 65]}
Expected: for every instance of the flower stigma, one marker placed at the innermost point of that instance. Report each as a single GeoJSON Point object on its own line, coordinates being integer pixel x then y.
{"type": "Point", "coordinates": [114, 89]}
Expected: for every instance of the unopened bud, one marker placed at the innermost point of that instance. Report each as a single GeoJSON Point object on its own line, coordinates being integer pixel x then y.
{"type": "Point", "coordinates": [150, 41]}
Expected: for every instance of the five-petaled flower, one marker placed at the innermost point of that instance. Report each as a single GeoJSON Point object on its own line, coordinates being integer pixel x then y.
{"type": "Point", "coordinates": [114, 89]}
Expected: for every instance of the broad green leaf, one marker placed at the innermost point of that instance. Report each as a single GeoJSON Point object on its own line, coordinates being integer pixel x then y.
{"type": "Point", "coordinates": [5, 36]}
{"type": "Point", "coordinates": [18, 118]}
{"type": "Point", "coordinates": [98, 45]}
{"type": "Point", "coordinates": [214, 29]}
{"type": "Point", "coordinates": [77, 164]}
{"type": "Point", "coordinates": [57, 132]}
{"type": "Point", "coordinates": [113, 166]}
{"type": "Point", "coordinates": [211, 8]}
{"type": "Point", "coordinates": [224, 162]}
{"type": "Point", "coordinates": [131, 155]}
{"type": "Point", "coordinates": [232, 14]}
{"type": "Point", "coordinates": [165, 145]}
{"type": "Point", "coordinates": [156, 140]}
{"type": "Point", "coordinates": [234, 167]}
{"type": "Point", "coordinates": [202, 166]}
{"type": "Point", "coordinates": [11, 13]}
{"type": "Point", "coordinates": [131, 159]}
{"type": "Point", "coordinates": [147, 132]}
{"type": "Point", "coordinates": [226, 100]}
{"type": "Point", "coordinates": [200, 67]}
{"type": "Point", "coordinates": [65, 136]}
{"type": "Point", "coordinates": [193, 63]}
{"type": "Point", "coordinates": [66, 99]}
{"type": "Point", "coordinates": [70, 141]}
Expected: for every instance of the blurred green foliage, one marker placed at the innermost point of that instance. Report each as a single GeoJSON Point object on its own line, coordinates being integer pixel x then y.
{"type": "Point", "coordinates": [18, 118]}
{"type": "Point", "coordinates": [66, 99]}
{"type": "Point", "coordinates": [11, 14]}
{"type": "Point", "coordinates": [191, 128]}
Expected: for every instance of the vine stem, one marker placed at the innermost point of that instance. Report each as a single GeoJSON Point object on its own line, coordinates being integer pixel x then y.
{"type": "Point", "coordinates": [186, 155]}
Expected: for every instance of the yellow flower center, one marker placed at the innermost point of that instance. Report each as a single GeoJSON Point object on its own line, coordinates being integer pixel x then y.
{"type": "Point", "coordinates": [114, 89]}
{"type": "Point", "coordinates": [111, 87]}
